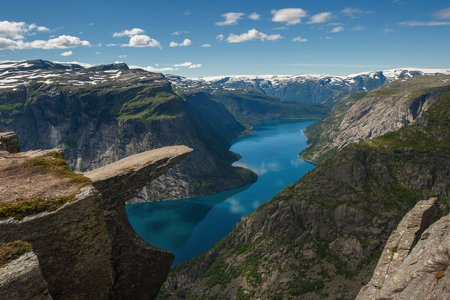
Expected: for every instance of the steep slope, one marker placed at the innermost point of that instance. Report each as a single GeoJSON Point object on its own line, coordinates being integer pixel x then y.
{"type": "Point", "coordinates": [104, 113]}
{"type": "Point", "coordinates": [312, 89]}
{"type": "Point", "coordinates": [416, 261]}
{"type": "Point", "coordinates": [362, 116]}
{"type": "Point", "coordinates": [321, 237]}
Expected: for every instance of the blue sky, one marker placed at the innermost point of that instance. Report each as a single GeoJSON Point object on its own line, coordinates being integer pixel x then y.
{"type": "Point", "coordinates": [204, 38]}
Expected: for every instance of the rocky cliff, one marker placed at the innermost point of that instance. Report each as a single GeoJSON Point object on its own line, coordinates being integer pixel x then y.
{"type": "Point", "coordinates": [105, 113]}
{"type": "Point", "coordinates": [415, 261]}
{"type": "Point", "coordinates": [321, 237]}
{"type": "Point", "coordinates": [77, 227]}
{"type": "Point", "coordinates": [362, 116]}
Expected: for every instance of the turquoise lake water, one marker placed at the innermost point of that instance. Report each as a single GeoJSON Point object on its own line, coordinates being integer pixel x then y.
{"type": "Point", "coordinates": [189, 227]}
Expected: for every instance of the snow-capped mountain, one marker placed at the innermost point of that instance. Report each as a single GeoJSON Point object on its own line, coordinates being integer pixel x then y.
{"type": "Point", "coordinates": [317, 89]}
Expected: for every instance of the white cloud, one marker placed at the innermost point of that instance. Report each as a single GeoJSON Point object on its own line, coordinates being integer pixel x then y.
{"type": "Point", "coordinates": [188, 65]}
{"type": "Point", "coordinates": [67, 53]}
{"type": "Point", "coordinates": [60, 42]}
{"type": "Point", "coordinates": [142, 41]}
{"type": "Point", "coordinates": [251, 35]}
{"type": "Point", "coordinates": [184, 43]}
{"type": "Point", "coordinates": [290, 16]}
{"type": "Point", "coordinates": [123, 56]}
{"type": "Point", "coordinates": [154, 69]}
{"type": "Point", "coordinates": [17, 30]}
{"type": "Point", "coordinates": [388, 30]}
{"type": "Point", "coordinates": [320, 18]}
{"type": "Point", "coordinates": [254, 16]}
{"type": "Point", "coordinates": [220, 37]}
{"type": "Point", "coordinates": [299, 39]}
{"type": "Point", "coordinates": [230, 18]}
{"type": "Point", "coordinates": [129, 32]}
{"type": "Point", "coordinates": [337, 29]}
{"type": "Point", "coordinates": [206, 45]}
{"type": "Point", "coordinates": [353, 12]}
{"type": "Point", "coordinates": [442, 14]}
{"type": "Point", "coordinates": [427, 23]}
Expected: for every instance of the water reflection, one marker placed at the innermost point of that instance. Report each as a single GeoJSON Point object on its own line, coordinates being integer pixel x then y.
{"type": "Point", "coordinates": [161, 220]}
{"type": "Point", "coordinates": [190, 227]}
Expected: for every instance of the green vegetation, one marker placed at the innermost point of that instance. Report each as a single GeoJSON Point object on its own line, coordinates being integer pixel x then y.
{"type": "Point", "coordinates": [219, 273]}
{"type": "Point", "coordinates": [26, 207]}
{"type": "Point", "coordinates": [13, 250]}
{"type": "Point", "coordinates": [54, 163]}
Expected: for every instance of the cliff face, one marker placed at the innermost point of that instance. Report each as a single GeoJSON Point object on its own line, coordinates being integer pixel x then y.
{"type": "Point", "coordinates": [320, 238]}
{"type": "Point", "coordinates": [364, 116]}
{"type": "Point", "coordinates": [105, 113]}
{"type": "Point", "coordinates": [77, 224]}
{"type": "Point", "coordinates": [415, 261]}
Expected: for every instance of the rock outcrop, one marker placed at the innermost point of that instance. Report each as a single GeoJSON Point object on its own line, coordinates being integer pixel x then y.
{"type": "Point", "coordinates": [80, 234]}
{"type": "Point", "coordinates": [9, 142]}
{"type": "Point", "coordinates": [22, 279]}
{"type": "Point", "coordinates": [415, 262]}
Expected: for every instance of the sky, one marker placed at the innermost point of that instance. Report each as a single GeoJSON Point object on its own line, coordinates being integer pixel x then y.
{"type": "Point", "coordinates": [231, 37]}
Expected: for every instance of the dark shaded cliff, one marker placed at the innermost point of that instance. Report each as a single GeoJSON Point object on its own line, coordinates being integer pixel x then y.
{"type": "Point", "coordinates": [321, 237]}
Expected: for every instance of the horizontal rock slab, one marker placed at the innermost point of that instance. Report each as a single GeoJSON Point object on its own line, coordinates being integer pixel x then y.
{"type": "Point", "coordinates": [125, 178]}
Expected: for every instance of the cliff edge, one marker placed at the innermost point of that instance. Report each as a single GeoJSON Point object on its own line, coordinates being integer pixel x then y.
{"type": "Point", "coordinates": [77, 226]}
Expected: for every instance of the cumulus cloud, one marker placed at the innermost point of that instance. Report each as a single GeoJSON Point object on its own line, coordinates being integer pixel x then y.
{"type": "Point", "coordinates": [184, 43]}
{"type": "Point", "coordinates": [230, 18]}
{"type": "Point", "coordinates": [320, 18]}
{"type": "Point", "coordinates": [129, 32]}
{"type": "Point", "coordinates": [290, 16]}
{"type": "Point", "coordinates": [299, 39]}
{"type": "Point", "coordinates": [141, 41]}
{"type": "Point", "coordinates": [60, 42]}
{"type": "Point", "coordinates": [353, 12]}
{"type": "Point", "coordinates": [442, 14]}
{"type": "Point", "coordinates": [67, 53]}
{"type": "Point", "coordinates": [176, 33]}
{"type": "Point", "coordinates": [206, 45]}
{"type": "Point", "coordinates": [337, 29]}
{"type": "Point", "coordinates": [251, 35]}
{"type": "Point", "coordinates": [220, 37]}
{"type": "Point", "coordinates": [17, 30]}
{"type": "Point", "coordinates": [254, 16]}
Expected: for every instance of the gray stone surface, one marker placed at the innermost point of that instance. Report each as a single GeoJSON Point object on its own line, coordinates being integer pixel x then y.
{"type": "Point", "coordinates": [415, 262]}
{"type": "Point", "coordinates": [21, 279]}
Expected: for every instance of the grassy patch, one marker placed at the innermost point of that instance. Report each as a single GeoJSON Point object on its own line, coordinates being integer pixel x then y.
{"type": "Point", "coordinates": [13, 250]}
{"type": "Point", "coordinates": [26, 207]}
{"type": "Point", "coordinates": [54, 163]}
